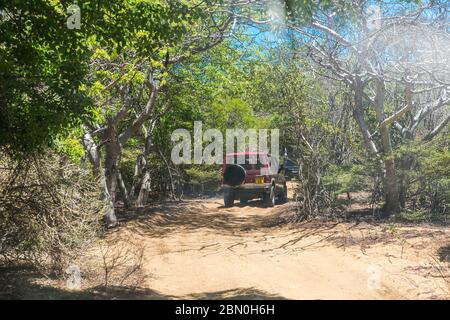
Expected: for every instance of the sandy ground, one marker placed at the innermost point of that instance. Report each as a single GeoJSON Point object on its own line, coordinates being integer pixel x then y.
{"type": "Point", "coordinates": [197, 249]}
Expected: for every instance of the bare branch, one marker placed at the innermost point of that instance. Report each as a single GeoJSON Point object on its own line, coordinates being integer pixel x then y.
{"type": "Point", "coordinates": [386, 122]}
{"type": "Point", "coordinates": [438, 129]}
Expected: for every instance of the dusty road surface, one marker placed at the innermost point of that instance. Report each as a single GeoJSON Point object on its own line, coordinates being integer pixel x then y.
{"type": "Point", "coordinates": [199, 249]}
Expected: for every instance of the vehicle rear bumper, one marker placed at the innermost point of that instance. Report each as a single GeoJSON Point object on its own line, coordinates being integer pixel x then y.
{"type": "Point", "coordinates": [248, 190]}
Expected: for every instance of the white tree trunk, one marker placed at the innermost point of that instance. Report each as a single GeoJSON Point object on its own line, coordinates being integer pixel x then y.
{"type": "Point", "coordinates": [391, 191]}
{"type": "Point", "coordinates": [92, 153]}
{"type": "Point", "coordinates": [144, 190]}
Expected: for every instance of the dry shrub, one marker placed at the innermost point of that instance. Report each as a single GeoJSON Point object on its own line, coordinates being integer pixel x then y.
{"type": "Point", "coordinates": [49, 208]}
{"type": "Point", "coordinates": [442, 266]}
{"type": "Point", "coordinates": [122, 262]}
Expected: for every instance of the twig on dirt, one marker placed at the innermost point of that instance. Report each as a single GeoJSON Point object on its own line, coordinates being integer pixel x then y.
{"type": "Point", "coordinates": [296, 240]}
{"type": "Point", "coordinates": [235, 245]}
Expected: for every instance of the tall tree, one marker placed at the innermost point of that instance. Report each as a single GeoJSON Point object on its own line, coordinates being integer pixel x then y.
{"type": "Point", "coordinates": [370, 46]}
{"type": "Point", "coordinates": [129, 77]}
{"type": "Point", "coordinates": [42, 65]}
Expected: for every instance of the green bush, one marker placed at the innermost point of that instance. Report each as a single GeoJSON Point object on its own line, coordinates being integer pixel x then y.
{"type": "Point", "coordinates": [204, 179]}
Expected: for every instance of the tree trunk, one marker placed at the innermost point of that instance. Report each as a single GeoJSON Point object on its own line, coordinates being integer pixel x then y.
{"type": "Point", "coordinates": [144, 190]}
{"type": "Point", "coordinates": [391, 188]}
{"type": "Point", "coordinates": [112, 153]}
{"type": "Point", "coordinates": [172, 186]}
{"type": "Point", "coordinates": [391, 192]}
{"type": "Point", "coordinates": [358, 114]}
{"type": "Point", "coordinates": [92, 152]}
{"type": "Point", "coordinates": [142, 178]}
{"type": "Point", "coordinates": [123, 189]}
{"type": "Point", "coordinates": [113, 142]}
{"type": "Point", "coordinates": [406, 165]}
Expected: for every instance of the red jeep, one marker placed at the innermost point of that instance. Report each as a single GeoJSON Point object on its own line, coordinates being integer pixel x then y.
{"type": "Point", "coordinates": [249, 181]}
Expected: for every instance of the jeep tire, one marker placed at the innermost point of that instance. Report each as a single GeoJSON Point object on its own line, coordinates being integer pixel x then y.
{"type": "Point", "coordinates": [269, 198]}
{"type": "Point", "coordinates": [228, 199]}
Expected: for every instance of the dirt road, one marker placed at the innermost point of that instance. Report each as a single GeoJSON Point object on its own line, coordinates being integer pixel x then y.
{"type": "Point", "coordinates": [199, 249]}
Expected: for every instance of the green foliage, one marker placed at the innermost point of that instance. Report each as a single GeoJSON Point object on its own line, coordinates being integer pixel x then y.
{"type": "Point", "coordinates": [54, 81]}
{"type": "Point", "coordinates": [71, 147]}
{"type": "Point", "coordinates": [203, 179]}
{"type": "Point", "coordinates": [420, 215]}
{"type": "Point", "coordinates": [425, 168]}
{"type": "Point", "coordinates": [42, 64]}
{"type": "Point", "coordinates": [198, 176]}
{"type": "Point", "coordinates": [232, 113]}
{"type": "Point", "coordinates": [342, 179]}
{"type": "Point", "coordinates": [300, 12]}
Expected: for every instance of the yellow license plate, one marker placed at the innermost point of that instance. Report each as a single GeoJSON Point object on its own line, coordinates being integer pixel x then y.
{"type": "Point", "coordinates": [259, 180]}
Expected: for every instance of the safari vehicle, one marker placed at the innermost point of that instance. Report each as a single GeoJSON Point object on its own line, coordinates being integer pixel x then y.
{"type": "Point", "coordinates": [291, 169]}
{"type": "Point", "coordinates": [252, 179]}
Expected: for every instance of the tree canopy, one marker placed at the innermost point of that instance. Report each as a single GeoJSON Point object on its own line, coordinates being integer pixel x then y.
{"type": "Point", "coordinates": [357, 88]}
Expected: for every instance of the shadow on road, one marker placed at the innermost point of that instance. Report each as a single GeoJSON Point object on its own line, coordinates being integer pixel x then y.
{"type": "Point", "coordinates": [20, 283]}
{"type": "Point", "coordinates": [444, 253]}
{"type": "Point", "coordinates": [236, 294]}
{"type": "Point", "coordinates": [160, 220]}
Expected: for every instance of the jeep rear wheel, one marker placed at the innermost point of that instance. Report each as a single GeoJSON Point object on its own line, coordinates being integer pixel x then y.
{"type": "Point", "coordinates": [228, 198]}
{"type": "Point", "coordinates": [270, 198]}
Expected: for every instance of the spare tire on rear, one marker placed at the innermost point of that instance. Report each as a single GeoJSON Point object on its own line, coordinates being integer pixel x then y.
{"type": "Point", "coordinates": [234, 175]}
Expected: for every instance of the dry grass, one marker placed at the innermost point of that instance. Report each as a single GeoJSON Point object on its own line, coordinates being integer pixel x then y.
{"type": "Point", "coordinates": [122, 263]}
{"type": "Point", "coordinates": [49, 208]}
